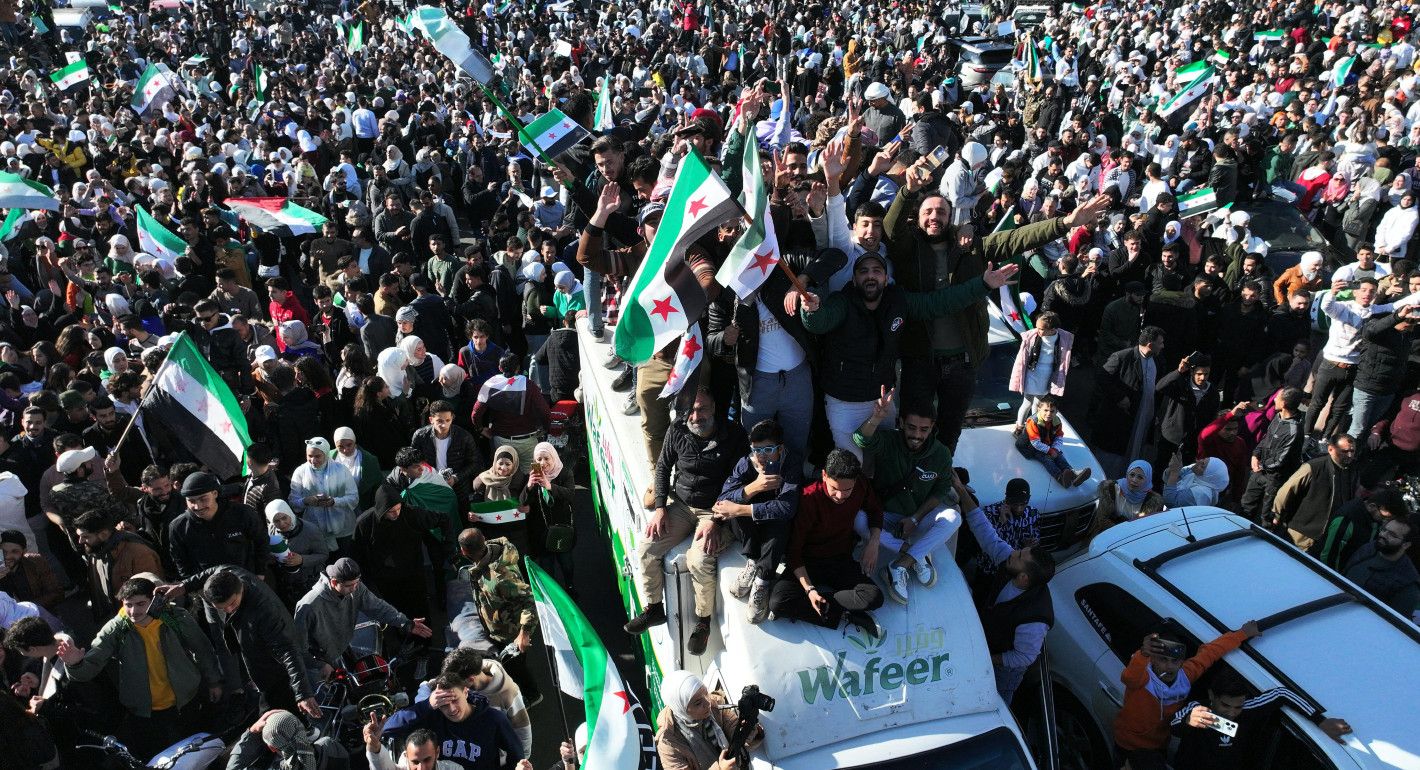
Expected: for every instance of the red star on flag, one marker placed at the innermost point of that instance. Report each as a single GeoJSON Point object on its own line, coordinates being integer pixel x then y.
{"type": "Point", "coordinates": [664, 308]}
{"type": "Point", "coordinates": [672, 377]}
{"type": "Point", "coordinates": [499, 517]}
{"type": "Point", "coordinates": [698, 205]}
{"type": "Point", "coordinates": [566, 124]}
{"type": "Point", "coordinates": [765, 260]}
{"type": "Point", "coordinates": [551, 135]}
{"type": "Point", "coordinates": [1015, 316]}
{"type": "Point", "coordinates": [692, 346]}
{"type": "Point", "coordinates": [512, 380]}
{"type": "Point", "coordinates": [625, 701]}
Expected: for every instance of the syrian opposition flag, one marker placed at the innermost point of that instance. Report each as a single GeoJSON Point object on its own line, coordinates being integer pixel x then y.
{"type": "Point", "coordinates": [497, 511]}
{"type": "Point", "coordinates": [276, 216]}
{"type": "Point", "coordinates": [77, 72]}
{"type": "Point", "coordinates": [154, 88]}
{"type": "Point", "coordinates": [687, 358]}
{"type": "Point", "coordinates": [664, 297]}
{"type": "Point", "coordinates": [603, 120]}
{"type": "Point", "coordinates": [1032, 60]}
{"type": "Point", "coordinates": [432, 492]}
{"type": "Point", "coordinates": [355, 37]}
{"type": "Point", "coordinates": [1269, 36]}
{"type": "Point", "coordinates": [756, 252]}
{"type": "Point", "coordinates": [1222, 57]}
{"type": "Point", "coordinates": [586, 671]}
{"type": "Point", "coordinates": [1188, 72]}
{"type": "Point", "coordinates": [1178, 108]}
{"type": "Point", "coordinates": [1195, 202]}
{"type": "Point", "coordinates": [1342, 71]}
{"type": "Point", "coordinates": [158, 240]}
{"type": "Point", "coordinates": [505, 393]}
{"type": "Point", "coordinates": [552, 134]}
{"type": "Point", "coordinates": [261, 81]}
{"type": "Point", "coordinates": [191, 399]}
{"type": "Point", "coordinates": [1013, 309]}
{"type": "Point", "coordinates": [17, 192]}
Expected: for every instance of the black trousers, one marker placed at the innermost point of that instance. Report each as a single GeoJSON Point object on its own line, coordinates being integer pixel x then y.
{"type": "Point", "coordinates": [840, 580]}
{"type": "Point", "coordinates": [146, 736]}
{"type": "Point", "coordinates": [950, 380]}
{"type": "Point", "coordinates": [1260, 492]}
{"type": "Point", "coordinates": [764, 542]}
{"type": "Point", "coordinates": [1330, 381]}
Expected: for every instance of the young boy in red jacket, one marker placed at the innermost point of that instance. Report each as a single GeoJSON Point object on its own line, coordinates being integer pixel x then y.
{"type": "Point", "coordinates": [1156, 682]}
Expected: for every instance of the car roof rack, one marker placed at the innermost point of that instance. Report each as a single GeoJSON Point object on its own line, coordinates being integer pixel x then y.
{"type": "Point", "coordinates": [1347, 593]}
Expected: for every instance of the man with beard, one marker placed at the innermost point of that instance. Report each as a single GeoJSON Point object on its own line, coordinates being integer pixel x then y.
{"type": "Point", "coordinates": [1381, 566]}
{"type": "Point", "coordinates": [1291, 323]}
{"type": "Point", "coordinates": [104, 434]}
{"type": "Point", "coordinates": [702, 451]}
{"type": "Point", "coordinates": [112, 557]}
{"type": "Point", "coordinates": [214, 531]}
{"type": "Point", "coordinates": [861, 325]}
{"type": "Point", "coordinates": [1240, 325]}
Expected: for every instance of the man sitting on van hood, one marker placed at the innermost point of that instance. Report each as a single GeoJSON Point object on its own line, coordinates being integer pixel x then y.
{"type": "Point", "coordinates": [914, 481]}
{"type": "Point", "coordinates": [1014, 600]}
{"type": "Point", "coordinates": [758, 502]}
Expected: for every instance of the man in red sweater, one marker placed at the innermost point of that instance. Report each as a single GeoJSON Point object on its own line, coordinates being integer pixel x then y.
{"type": "Point", "coordinates": [1156, 683]}
{"type": "Point", "coordinates": [823, 584]}
{"type": "Point", "coordinates": [1223, 439]}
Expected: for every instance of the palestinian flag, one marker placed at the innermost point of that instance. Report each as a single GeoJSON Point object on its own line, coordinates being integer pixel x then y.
{"type": "Point", "coordinates": [586, 671]}
{"type": "Point", "coordinates": [17, 192]}
{"type": "Point", "coordinates": [355, 37]}
{"type": "Point", "coordinates": [603, 120]}
{"type": "Point", "coordinates": [276, 216]}
{"type": "Point", "coordinates": [552, 134]}
{"type": "Point", "coordinates": [756, 252]}
{"type": "Point", "coordinates": [1195, 202]}
{"type": "Point", "coordinates": [1342, 71]}
{"type": "Point", "coordinates": [1269, 36]}
{"type": "Point", "coordinates": [505, 393]}
{"type": "Point", "coordinates": [664, 297]}
{"type": "Point", "coordinates": [1177, 109]}
{"type": "Point", "coordinates": [687, 359]}
{"type": "Point", "coordinates": [432, 493]}
{"type": "Point", "coordinates": [77, 72]}
{"type": "Point", "coordinates": [199, 409]}
{"type": "Point", "coordinates": [497, 512]}
{"type": "Point", "coordinates": [153, 89]}
{"type": "Point", "coordinates": [158, 240]}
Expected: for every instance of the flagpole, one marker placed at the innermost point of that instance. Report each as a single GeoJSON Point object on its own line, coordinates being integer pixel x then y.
{"type": "Point", "coordinates": [788, 271]}
{"type": "Point", "coordinates": [518, 125]}
{"type": "Point", "coordinates": [557, 689]}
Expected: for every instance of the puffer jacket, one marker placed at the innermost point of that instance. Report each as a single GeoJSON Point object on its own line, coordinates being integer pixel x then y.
{"type": "Point", "coordinates": [1385, 354]}
{"type": "Point", "coordinates": [701, 464]}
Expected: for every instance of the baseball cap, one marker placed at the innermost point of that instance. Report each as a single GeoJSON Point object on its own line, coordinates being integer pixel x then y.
{"type": "Point", "coordinates": [71, 460]}
{"type": "Point", "coordinates": [265, 353]}
{"type": "Point", "coordinates": [1017, 492]}
{"type": "Point", "coordinates": [344, 570]}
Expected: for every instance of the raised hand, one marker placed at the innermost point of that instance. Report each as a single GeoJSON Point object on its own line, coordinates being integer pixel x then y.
{"type": "Point", "coordinates": [996, 277]}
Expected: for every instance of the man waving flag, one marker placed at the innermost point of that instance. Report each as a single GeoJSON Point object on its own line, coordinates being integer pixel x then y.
{"type": "Point", "coordinates": [663, 298]}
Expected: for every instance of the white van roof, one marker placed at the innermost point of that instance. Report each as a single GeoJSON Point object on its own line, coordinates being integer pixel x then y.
{"type": "Point", "coordinates": [1353, 657]}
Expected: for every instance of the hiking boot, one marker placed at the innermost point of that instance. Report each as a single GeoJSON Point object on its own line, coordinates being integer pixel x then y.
{"type": "Point", "coordinates": [864, 621]}
{"type": "Point", "coordinates": [740, 588]}
{"type": "Point", "coordinates": [924, 573]}
{"type": "Point", "coordinates": [624, 380]}
{"type": "Point", "coordinates": [897, 584]}
{"type": "Point", "coordinates": [1084, 475]}
{"type": "Point", "coordinates": [700, 637]}
{"type": "Point", "coordinates": [1066, 478]}
{"type": "Point", "coordinates": [653, 615]}
{"type": "Point", "coordinates": [758, 609]}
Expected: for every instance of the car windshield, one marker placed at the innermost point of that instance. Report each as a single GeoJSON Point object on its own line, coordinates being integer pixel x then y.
{"type": "Point", "coordinates": [993, 403]}
{"type": "Point", "coordinates": [995, 750]}
{"type": "Point", "coordinates": [1284, 228]}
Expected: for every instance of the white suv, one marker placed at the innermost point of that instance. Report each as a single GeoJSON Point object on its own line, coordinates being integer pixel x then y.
{"type": "Point", "coordinates": [1323, 638]}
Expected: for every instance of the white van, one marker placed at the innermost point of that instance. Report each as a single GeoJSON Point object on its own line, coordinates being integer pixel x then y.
{"type": "Point", "coordinates": [922, 695]}
{"type": "Point", "coordinates": [1323, 638]}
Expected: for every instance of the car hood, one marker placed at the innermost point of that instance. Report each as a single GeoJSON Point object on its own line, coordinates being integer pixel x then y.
{"type": "Point", "coordinates": [991, 455]}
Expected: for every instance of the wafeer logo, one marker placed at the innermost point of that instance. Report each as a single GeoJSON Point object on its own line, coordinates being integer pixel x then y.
{"type": "Point", "coordinates": [915, 658]}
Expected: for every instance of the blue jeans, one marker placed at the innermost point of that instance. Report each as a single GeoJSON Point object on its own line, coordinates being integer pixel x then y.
{"type": "Point", "coordinates": [1366, 410]}
{"type": "Point", "coordinates": [1054, 464]}
{"type": "Point", "coordinates": [788, 397]}
{"type": "Point", "coordinates": [592, 291]}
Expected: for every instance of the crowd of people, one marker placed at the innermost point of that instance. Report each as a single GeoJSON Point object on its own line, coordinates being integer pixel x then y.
{"type": "Point", "coordinates": [426, 331]}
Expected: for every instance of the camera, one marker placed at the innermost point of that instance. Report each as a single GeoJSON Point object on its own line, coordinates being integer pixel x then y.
{"type": "Point", "coordinates": [752, 701]}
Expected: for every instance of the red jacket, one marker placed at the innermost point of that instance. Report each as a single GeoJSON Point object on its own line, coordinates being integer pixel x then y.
{"type": "Point", "coordinates": [1236, 454]}
{"type": "Point", "coordinates": [1143, 722]}
{"type": "Point", "coordinates": [1403, 429]}
{"type": "Point", "coordinates": [824, 529]}
{"type": "Point", "coordinates": [290, 310]}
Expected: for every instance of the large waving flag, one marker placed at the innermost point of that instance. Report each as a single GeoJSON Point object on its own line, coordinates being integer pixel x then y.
{"type": "Point", "coordinates": [17, 192]}
{"type": "Point", "coordinates": [604, 121]}
{"type": "Point", "coordinates": [586, 671]}
{"type": "Point", "coordinates": [451, 41]}
{"type": "Point", "coordinates": [154, 88]}
{"type": "Point", "coordinates": [355, 37]}
{"type": "Point", "coordinates": [190, 398]}
{"type": "Point", "coordinates": [664, 297]}
{"type": "Point", "coordinates": [276, 216]}
{"type": "Point", "coordinates": [756, 252]}
{"type": "Point", "coordinates": [158, 240]}
{"type": "Point", "coordinates": [1177, 109]}
{"type": "Point", "coordinates": [67, 77]}
{"type": "Point", "coordinates": [552, 134]}
{"type": "Point", "coordinates": [1342, 71]}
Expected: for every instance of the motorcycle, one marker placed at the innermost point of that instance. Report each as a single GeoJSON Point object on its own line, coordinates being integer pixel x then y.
{"type": "Point", "coordinates": [195, 752]}
{"type": "Point", "coordinates": [364, 685]}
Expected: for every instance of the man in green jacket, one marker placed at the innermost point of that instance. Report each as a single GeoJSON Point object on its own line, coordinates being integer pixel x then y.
{"type": "Point", "coordinates": [164, 662]}
{"type": "Point", "coordinates": [913, 479]}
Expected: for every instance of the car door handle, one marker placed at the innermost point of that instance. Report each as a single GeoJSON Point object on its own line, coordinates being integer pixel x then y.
{"type": "Point", "coordinates": [1109, 693]}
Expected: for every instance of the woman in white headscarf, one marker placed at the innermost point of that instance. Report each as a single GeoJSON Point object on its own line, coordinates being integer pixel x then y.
{"type": "Point", "coordinates": [1199, 484]}
{"type": "Point", "coordinates": [391, 366]}
{"type": "Point", "coordinates": [455, 388]}
{"type": "Point", "coordinates": [325, 495]}
{"type": "Point", "coordinates": [121, 256]}
{"type": "Point", "coordinates": [693, 730]}
{"type": "Point", "coordinates": [1396, 227]}
{"type": "Point", "coordinates": [421, 366]}
{"type": "Point", "coordinates": [1166, 152]}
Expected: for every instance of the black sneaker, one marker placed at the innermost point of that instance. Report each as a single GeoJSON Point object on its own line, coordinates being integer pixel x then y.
{"type": "Point", "coordinates": [700, 637]}
{"type": "Point", "coordinates": [624, 380]}
{"type": "Point", "coordinates": [862, 620]}
{"type": "Point", "coordinates": [653, 615]}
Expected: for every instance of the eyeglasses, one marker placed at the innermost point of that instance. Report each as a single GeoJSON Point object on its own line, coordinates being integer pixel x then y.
{"type": "Point", "coordinates": [765, 450]}
{"type": "Point", "coordinates": [207, 319]}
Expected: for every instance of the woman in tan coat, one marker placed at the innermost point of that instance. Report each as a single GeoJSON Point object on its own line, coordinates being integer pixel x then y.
{"type": "Point", "coordinates": [693, 730]}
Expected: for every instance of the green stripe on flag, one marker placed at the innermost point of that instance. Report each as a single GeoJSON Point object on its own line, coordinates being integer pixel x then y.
{"type": "Point", "coordinates": [156, 239]}
{"type": "Point", "coordinates": [1342, 71]}
{"type": "Point", "coordinates": [184, 354]}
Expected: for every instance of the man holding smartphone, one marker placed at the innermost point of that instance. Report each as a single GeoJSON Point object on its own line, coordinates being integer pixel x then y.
{"type": "Point", "coordinates": [758, 502]}
{"type": "Point", "coordinates": [1214, 737]}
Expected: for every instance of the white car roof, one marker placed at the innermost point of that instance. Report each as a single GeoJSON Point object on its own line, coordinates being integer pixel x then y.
{"type": "Point", "coordinates": [1357, 660]}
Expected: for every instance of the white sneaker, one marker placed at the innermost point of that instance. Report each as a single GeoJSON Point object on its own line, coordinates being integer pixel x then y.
{"type": "Point", "coordinates": [740, 588]}
{"type": "Point", "coordinates": [924, 573]}
{"type": "Point", "coordinates": [758, 610]}
{"type": "Point", "coordinates": [897, 584]}
{"type": "Point", "coordinates": [630, 407]}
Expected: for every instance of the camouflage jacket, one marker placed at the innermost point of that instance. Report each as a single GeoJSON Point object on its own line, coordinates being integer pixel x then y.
{"type": "Point", "coordinates": [505, 601]}
{"type": "Point", "coordinates": [71, 499]}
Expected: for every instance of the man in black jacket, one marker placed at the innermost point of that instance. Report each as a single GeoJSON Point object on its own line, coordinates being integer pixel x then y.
{"type": "Point", "coordinates": [563, 360]}
{"type": "Point", "coordinates": [292, 418]}
{"type": "Point", "coordinates": [1389, 340]}
{"type": "Point", "coordinates": [1122, 410]}
{"type": "Point", "coordinates": [702, 451]}
{"type": "Point", "coordinates": [269, 641]}
{"type": "Point", "coordinates": [450, 449]}
{"type": "Point", "coordinates": [214, 532]}
{"type": "Point", "coordinates": [1202, 746]}
{"type": "Point", "coordinates": [1187, 401]}
{"type": "Point", "coordinates": [1276, 456]}
{"type": "Point", "coordinates": [434, 322]}
{"type": "Point", "coordinates": [225, 350]}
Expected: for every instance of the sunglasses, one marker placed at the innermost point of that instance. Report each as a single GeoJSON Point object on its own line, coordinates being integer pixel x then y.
{"type": "Point", "coordinates": [765, 450]}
